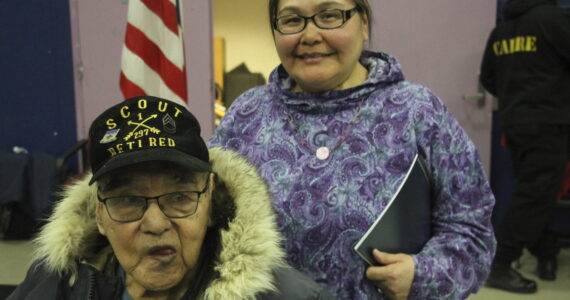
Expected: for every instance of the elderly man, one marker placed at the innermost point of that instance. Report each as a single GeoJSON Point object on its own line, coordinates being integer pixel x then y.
{"type": "Point", "coordinates": [161, 217]}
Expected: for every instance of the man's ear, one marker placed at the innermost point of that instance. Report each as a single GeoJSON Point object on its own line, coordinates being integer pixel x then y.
{"type": "Point", "coordinates": [99, 218]}
{"type": "Point", "coordinates": [210, 219]}
{"type": "Point", "coordinates": [212, 183]}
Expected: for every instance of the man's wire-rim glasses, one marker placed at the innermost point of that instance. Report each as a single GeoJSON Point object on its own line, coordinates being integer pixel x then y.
{"type": "Point", "coordinates": [326, 19]}
{"type": "Point", "coordinates": [176, 205]}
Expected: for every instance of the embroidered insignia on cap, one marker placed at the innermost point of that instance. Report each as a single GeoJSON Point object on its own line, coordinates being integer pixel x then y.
{"type": "Point", "coordinates": [110, 136]}
{"type": "Point", "coordinates": [145, 128]}
{"type": "Point", "coordinates": [168, 124]}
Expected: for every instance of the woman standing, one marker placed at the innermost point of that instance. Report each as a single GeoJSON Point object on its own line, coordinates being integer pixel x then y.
{"type": "Point", "coordinates": [334, 133]}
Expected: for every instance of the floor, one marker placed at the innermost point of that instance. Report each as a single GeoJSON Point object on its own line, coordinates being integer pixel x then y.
{"type": "Point", "coordinates": [547, 290]}
{"type": "Point", "coordinates": [15, 258]}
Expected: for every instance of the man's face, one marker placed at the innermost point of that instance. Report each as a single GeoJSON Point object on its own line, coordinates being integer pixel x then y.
{"type": "Point", "coordinates": [156, 252]}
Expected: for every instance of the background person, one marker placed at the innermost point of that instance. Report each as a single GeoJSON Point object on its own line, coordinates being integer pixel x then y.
{"type": "Point", "coordinates": [161, 217]}
{"type": "Point", "coordinates": [333, 133]}
{"type": "Point", "coordinates": [527, 66]}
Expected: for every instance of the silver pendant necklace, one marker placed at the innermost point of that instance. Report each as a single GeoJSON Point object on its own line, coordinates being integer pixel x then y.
{"type": "Point", "coordinates": [324, 152]}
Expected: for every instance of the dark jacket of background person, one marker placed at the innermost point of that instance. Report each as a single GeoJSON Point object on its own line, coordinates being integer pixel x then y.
{"type": "Point", "coordinates": [72, 263]}
{"type": "Point", "coordinates": [527, 64]}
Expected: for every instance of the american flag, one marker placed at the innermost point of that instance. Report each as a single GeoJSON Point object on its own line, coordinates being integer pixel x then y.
{"type": "Point", "coordinates": [153, 54]}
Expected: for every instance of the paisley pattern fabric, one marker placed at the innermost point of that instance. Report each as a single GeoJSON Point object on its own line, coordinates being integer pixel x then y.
{"type": "Point", "coordinates": [325, 206]}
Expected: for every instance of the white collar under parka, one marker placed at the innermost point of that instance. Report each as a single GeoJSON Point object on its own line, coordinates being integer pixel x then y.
{"type": "Point", "coordinates": [251, 240]}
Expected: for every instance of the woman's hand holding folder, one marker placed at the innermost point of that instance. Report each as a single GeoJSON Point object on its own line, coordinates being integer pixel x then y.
{"type": "Point", "coordinates": [394, 275]}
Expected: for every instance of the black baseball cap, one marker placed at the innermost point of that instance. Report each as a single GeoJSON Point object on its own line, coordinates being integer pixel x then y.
{"type": "Point", "coordinates": [143, 129]}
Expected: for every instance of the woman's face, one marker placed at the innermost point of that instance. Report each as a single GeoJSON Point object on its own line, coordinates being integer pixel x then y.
{"type": "Point", "coordinates": [322, 59]}
{"type": "Point", "coordinates": [156, 252]}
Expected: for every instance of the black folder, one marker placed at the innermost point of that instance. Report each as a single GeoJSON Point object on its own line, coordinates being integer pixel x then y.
{"type": "Point", "coordinates": [405, 224]}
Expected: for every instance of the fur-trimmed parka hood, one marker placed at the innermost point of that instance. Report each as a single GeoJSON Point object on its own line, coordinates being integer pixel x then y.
{"type": "Point", "coordinates": [251, 240]}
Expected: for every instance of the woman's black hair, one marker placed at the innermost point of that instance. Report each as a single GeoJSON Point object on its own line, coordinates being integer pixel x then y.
{"type": "Point", "coordinates": [363, 7]}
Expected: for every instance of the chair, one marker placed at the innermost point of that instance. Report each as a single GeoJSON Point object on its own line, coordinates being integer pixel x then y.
{"type": "Point", "coordinates": [28, 186]}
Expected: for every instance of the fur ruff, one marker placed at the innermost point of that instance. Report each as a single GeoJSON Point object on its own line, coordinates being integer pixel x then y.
{"type": "Point", "coordinates": [251, 245]}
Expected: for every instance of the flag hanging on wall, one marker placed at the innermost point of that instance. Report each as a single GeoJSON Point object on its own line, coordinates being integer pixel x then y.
{"type": "Point", "coordinates": [153, 53]}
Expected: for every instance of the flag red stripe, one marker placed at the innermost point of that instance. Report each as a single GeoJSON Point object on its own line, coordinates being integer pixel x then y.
{"type": "Point", "coordinates": [166, 11]}
{"type": "Point", "coordinates": [151, 54]}
{"type": "Point", "coordinates": [130, 89]}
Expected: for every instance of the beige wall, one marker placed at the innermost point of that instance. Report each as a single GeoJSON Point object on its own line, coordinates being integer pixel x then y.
{"type": "Point", "coordinates": [244, 25]}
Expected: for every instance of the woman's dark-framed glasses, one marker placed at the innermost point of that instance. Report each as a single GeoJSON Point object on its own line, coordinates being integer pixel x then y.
{"type": "Point", "coordinates": [132, 208]}
{"type": "Point", "coordinates": [326, 19]}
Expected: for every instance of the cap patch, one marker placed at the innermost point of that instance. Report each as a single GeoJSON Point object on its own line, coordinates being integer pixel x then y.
{"type": "Point", "coordinates": [169, 124]}
{"type": "Point", "coordinates": [110, 136]}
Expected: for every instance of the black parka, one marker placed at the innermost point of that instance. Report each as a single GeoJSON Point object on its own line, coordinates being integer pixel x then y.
{"type": "Point", "coordinates": [73, 261]}
{"type": "Point", "coordinates": [527, 64]}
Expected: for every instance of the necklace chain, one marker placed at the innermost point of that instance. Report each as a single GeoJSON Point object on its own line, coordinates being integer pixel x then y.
{"type": "Point", "coordinates": [324, 152]}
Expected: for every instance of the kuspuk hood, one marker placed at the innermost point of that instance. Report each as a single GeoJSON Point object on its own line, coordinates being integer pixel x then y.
{"type": "Point", "coordinates": [250, 246]}
{"type": "Point", "coordinates": [383, 69]}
